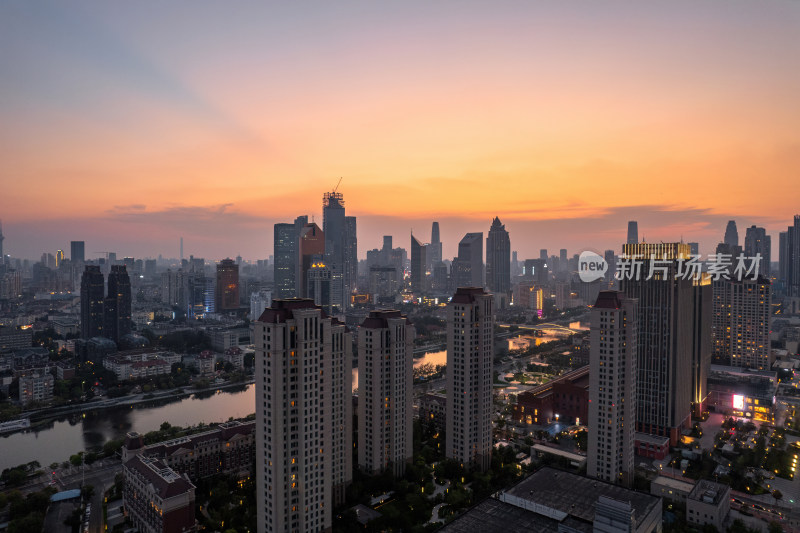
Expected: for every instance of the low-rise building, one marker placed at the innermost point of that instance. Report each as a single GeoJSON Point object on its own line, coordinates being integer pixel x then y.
{"type": "Point", "coordinates": [743, 392]}
{"type": "Point", "coordinates": [205, 362]}
{"type": "Point", "coordinates": [65, 326]}
{"type": "Point", "coordinates": [554, 501]}
{"type": "Point", "coordinates": [433, 408]}
{"type": "Point", "coordinates": [12, 338]}
{"type": "Point", "coordinates": [140, 364]}
{"type": "Point", "coordinates": [229, 448]}
{"type": "Point", "coordinates": [36, 388]}
{"type": "Point", "coordinates": [671, 489]}
{"type": "Point", "coordinates": [156, 498]}
{"type": "Point", "coordinates": [651, 446]}
{"type": "Point", "coordinates": [565, 399]}
{"type": "Point", "coordinates": [709, 503]}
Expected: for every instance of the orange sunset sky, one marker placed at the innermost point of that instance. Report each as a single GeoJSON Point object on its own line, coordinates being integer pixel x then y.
{"type": "Point", "coordinates": [129, 125]}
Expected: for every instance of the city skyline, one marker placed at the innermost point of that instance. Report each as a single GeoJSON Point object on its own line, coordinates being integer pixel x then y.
{"type": "Point", "coordinates": [215, 132]}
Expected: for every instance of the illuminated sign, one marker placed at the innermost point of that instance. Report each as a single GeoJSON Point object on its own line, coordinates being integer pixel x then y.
{"type": "Point", "coordinates": [738, 401]}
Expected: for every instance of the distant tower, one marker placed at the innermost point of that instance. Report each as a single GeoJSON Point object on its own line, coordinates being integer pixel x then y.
{"type": "Point", "coordinates": [334, 227]}
{"type": "Point", "coordinates": [612, 370]}
{"type": "Point", "coordinates": [633, 232]}
{"type": "Point", "coordinates": [2, 257]}
{"type": "Point", "coordinates": [117, 312]}
{"type": "Point", "coordinates": [77, 253]}
{"type": "Point", "coordinates": [92, 292]}
{"type": "Point", "coordinates": [435, 247]}
{"type": "Point", "coordinates": [181, 248]}
{"type": "Point", "coordinates": [498, 258]}
{"type": "Point", "coordinates": [731, 234]}
{"type": "Point", "coordinates": [418, 252]}
{"type": "Point", "coordinates": [467, 269]}
{"type": "Point", "coordinates": [59, 257]}
{"type": "Point", "coordinates": [756, 241]}
{"type": "Point", "coordinates": [227, 286]}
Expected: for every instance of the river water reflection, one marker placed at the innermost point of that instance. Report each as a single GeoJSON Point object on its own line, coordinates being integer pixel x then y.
{"type": "Point", "coordinates": [73, 433]}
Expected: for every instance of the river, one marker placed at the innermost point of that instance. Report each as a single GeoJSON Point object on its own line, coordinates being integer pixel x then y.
{"type": "Point", "coordinates": [435, 358]}
{"type": "Point", "coordinates": [73, 433]}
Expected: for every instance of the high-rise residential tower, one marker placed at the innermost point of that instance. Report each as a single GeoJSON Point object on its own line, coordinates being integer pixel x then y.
{"type": "Point", "coordinates": [117, 308]}
{"type": "Point", "coordinates": [92, 296]}
{"type": "Point", "coordinates": [2, 238]}
{"type": "Point", "coordinates": [418, 262]}
{"type": "Point", "coordinates": [612, 388]}
{"type": "Point", "coordinates": [303, 416]}
{"type": "Point", "coordinates": [665, 309]}
{"type": "Point", "coordinates": [633, 232]}
{"type": "Point", "coordinates": [385, 392]}
{"type": "Point", "coordinates": [498, 259]}
{"type": "Point", "coordinates": [756, 241]}
{"type": "Point", "coordinates": [470, 351]}
{"type": "Point", "coordinates": [702, 305]}
{"type": "Point", "coordinates": [227, 293]}
{"type": "Point", "coordinates": [742, 318]}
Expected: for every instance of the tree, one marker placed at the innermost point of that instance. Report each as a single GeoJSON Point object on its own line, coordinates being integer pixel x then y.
{"type": "Point", "coordinates": [777, 495]}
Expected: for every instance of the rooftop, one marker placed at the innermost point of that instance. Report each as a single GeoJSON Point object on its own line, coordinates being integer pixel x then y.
{"type": "Point", "coordinates": [495, 516]}
{"type": "Point", "coordinates": [709, 492]}
{"type": "Point", "coordinates": [577, 495]}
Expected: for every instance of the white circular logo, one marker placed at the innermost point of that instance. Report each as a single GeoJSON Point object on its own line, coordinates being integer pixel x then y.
{"type": "Point", "coordinates": [591, 266]}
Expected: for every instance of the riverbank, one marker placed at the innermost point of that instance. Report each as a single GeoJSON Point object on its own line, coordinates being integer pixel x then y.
{"type": "Point", "coordinates": [40, 417]}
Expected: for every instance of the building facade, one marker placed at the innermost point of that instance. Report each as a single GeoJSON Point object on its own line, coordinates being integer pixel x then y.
{"type": "Point", "coordinates": [385, 392]}
{"type": "Point", "coordinates": [498, 259]}
{"type": "Point", "coordinates": [612, 388]}
{"type": "Point", "coordinates": [742, 318]}
{"type": "Point", "coordinates": [664, 352]}
{"type": "Point", "coordinates": [470, 351]}
{"type": "Point", "coordinates": [303, 416]}
{"type": "Point", "coordinates": [156, 498]}
{"type": "Point", "coordinates": [227, 292]}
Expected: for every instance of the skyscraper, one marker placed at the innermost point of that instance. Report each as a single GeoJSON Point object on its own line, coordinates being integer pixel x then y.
{"type": "Point", "coordinates": [741, 323]}
{"type": "Point", "coordinates": [227, 296]}
{"type": "Point", "coordinates": [286, 260]}
{"type": "Point", "coordinates": [665, 310]}
{"type": "Point", "coordinates": [792, 260]}
{"type": "Point", "coordinates": [498, 258]}
{"type": "Point", "coordinates": [334, 227]}
{"type": "Point", "coordinates": [117, 308]}
{"type": "Point", "coordinates": [303, 416]}
{"type": "Point", "coordinates": [435, 247]}
{"type": "Point", "coordinates": [783, 255]}
{"type": "Point", "coordinates": [92, 296]}
{"type": "Point", "coordinates": [2, 238]}
{"type": "Point", "coordinates": [350, 278]}
{"type": "Point", "coordinates": [731, 234]}
{"type": "Point", "coordinates": [59, 258]}
{"type": "Point", "coordinates": [702, 305]}
{"type": "Point", "coordinates": [612, 388]}
{"type": "Point", "coordinates": [77, 252]}
{"type": "Point", "coordinates": [633, 232]}
{"type": "Point", "coordinates": [385, 392]}
{"type": "Point", "coordinates": [470, 352]}
{"type": "Point", "coordinates": [312, 250]}
{"type": "Point", "coordinates": [467, 269]}
{"type": "Point", "coordinates": [418, 262]}
{"type": "Point", "coordinates": [756, 241]}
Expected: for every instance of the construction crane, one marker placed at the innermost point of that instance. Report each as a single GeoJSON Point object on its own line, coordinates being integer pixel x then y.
{"type": "Point", "coordinates": [337, 184]}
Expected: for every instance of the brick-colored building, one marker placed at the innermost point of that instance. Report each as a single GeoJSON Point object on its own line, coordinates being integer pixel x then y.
{"type": "Point", "coordinates": [227, 449]}
{"type": "Point", "coordinates": [156, 498]}
{"type": "Point", "coordinates": [565, 399]}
